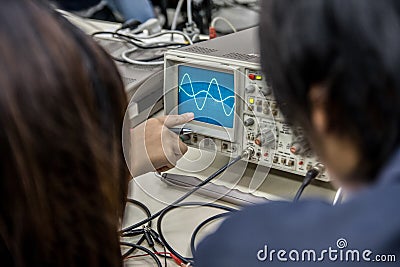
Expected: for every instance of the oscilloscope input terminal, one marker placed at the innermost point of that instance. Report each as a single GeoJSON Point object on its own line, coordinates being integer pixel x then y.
{"type": "Point", "coordinates": [212, 144]}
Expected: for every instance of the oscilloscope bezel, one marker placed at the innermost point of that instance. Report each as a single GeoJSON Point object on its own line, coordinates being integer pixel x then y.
{"type": "Point", "coordinates": [171, 85]}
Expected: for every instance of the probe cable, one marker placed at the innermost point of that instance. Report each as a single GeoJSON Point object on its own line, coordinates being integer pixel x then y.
{"type": "Point", "coordinates": [309, 177]}
{"type": "Point", "coordinates": [147, 233]}
{"type": "Point", "coordinates": [188, 204]}
{"type": "Point", "coordinates": [200, 226]}
{"type": "Point", "coordinates": [144, 249]}
{"type": "Point", "coordinates": [139, 231]}
{"type": "Point", "coordinates": [197, 187]}
{"type": "Point", "coordinates": [176, 256]}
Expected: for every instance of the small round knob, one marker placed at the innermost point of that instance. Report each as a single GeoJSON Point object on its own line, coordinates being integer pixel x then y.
{"type": "Point", "coordinates": [301, 147]}
{"type": "Point", "coordinates": [296, 148]}
{"type": "Point", "coordinates": [251, 88]}
{"type": "Point", "coordinates": [248, 122]}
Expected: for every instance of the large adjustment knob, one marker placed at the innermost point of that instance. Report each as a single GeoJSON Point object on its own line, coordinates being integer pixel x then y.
{"type": "Point", "coordinates": [266, 138]}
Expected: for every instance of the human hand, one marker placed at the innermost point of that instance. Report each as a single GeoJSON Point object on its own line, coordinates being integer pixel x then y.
{"type": "Point", "coordinates": [154, 146]}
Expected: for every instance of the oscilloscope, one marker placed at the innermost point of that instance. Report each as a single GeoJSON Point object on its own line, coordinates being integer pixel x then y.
{"type": "Point", "coordinates": [220, 81]}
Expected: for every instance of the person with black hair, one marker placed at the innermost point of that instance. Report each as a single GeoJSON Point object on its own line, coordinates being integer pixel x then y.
{"type": "Point", "coordinates": [334, 68]}
{"type": "Point", "coordinates": [63, 173]}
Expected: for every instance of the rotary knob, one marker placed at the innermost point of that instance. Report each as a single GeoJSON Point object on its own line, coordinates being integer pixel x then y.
{"type": "Point", "coordinates": [251, 88]}
{"type": "Point", "coordinates": [266, 138]}
{"type": "Point", "coordinates": [248, 122]}
{"type": "Point", "coordinates": [301, 147]}
{"type": "Point", "coordinates": [296, 148]}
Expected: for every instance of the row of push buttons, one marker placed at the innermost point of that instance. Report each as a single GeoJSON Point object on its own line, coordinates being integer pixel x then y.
{"type": "Point", "coordinates": [263, 106]}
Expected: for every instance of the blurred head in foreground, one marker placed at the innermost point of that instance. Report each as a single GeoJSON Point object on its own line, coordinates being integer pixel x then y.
{"type": "Point", "coordinates": [63, 177]}
{"type": "Point", "coordinates": [334, 67]}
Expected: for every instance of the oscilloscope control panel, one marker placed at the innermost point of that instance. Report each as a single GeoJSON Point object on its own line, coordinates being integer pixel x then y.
{"type": "Point", "coordinates": [221, 82]}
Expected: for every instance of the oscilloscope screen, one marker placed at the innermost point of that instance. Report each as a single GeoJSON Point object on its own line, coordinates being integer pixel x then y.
{"type": "Point", "coordinates": [209, 94]}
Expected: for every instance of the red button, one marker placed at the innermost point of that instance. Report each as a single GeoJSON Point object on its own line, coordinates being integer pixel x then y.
{"type": "Point", "coordinates": [301, 163]}
{"type": "Point", "coordinates": [265, 154]}
{"type": "Point", "coordinates": [252, 76]}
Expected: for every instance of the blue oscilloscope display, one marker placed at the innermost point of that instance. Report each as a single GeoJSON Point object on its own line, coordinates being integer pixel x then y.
{"type": "Point", "coordinates": [208, 94]}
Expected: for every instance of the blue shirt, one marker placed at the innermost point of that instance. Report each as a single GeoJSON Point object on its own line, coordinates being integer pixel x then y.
{"type": "Point", "coordinates": [360, 232]}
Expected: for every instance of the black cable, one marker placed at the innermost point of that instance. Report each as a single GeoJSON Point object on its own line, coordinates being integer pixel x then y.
{"type": "Point", "coordinates": [146, 250]}
{"type": "Point", "coordinates": [197, 187]}
{"type": "Point", "coordinates": [200, 226]}
{"type": "Point", "coordinates": [187, 204]}
{"type": "Point", "coordinates": [137, 232]}
{"type": "Point", "coordinates": [131, 250]}
{"type": "Point", "coordinates": [165, 256]}
{"type": "Point", "coordinates": [147, 233]}
{"type": "Point", "coordinates": [120, 35]}
{"type": "Point", "coordinates": [142, 206]}
{"type": "Point", "coordinates": [142, 239]}
{"type": "Point", "coordinates": [132, 40]}
{"type": "Point", "coordinates": [310, 175]}
{"type": "Point", "coordinates": [145, 59]}
{"type": "Point", "coordinates": [150, 236]}
{"type": "Point", "coordinates": [148, 214]}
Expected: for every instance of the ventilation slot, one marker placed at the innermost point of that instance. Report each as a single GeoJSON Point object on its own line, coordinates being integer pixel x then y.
{"type": "Point", "coordinates": [200, 50]}
{"type": "Point", "coordinates": [239, 56]}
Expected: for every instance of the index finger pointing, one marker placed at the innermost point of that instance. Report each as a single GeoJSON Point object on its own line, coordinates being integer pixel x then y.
{"type": "Point", "coordinates": [174, 120]}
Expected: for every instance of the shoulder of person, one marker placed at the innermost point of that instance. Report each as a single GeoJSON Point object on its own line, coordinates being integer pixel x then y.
{"type": "Point", "coordinates": [306, 224]}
